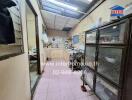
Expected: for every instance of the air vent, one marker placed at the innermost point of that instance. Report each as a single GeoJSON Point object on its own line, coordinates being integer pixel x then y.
{"type": "Point", "coordinates": [67, 29]}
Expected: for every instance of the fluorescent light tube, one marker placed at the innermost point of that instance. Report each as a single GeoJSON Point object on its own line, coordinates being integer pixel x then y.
{"type": "Point", "coordinates": [63, 5]}
{"type": "Point", "coordinates": [90, 0]}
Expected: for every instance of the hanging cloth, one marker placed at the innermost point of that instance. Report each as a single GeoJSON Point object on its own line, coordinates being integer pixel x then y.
{"type": "Point", "coordinates": [7, 35]}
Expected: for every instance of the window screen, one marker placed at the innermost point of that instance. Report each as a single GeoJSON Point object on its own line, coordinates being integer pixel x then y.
{"type": "Point", "coordinates": [16, 48]}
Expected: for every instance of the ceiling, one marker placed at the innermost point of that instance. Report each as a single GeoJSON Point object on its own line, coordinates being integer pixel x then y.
{"type": "Point", "coordinates": [58, 22]}
{"type": "Point", "coordinates": [63, 18]}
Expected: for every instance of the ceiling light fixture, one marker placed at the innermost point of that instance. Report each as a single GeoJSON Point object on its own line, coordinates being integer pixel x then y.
{"type": "Point", "coordinates": [63, 5]}
{"type": "Point", "coordinates": [90, 0]}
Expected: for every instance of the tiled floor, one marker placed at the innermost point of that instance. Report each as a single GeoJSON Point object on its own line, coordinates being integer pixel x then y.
{"type": "Point", "coordinates": [59, 83]}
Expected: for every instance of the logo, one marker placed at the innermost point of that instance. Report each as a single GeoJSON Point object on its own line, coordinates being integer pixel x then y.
{"type": "Point", "coordinates": [117, 11]}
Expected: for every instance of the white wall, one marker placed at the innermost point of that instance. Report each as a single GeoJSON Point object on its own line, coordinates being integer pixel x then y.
{"type": "Point", "coordinates": [14, 75]}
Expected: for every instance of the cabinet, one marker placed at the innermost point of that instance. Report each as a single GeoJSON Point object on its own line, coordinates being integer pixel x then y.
{"type": "Point", "coordinates": [107, 59]}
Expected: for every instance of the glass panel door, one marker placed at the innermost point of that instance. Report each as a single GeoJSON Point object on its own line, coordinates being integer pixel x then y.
{"type": "Point", "coordinates": [109, 63]}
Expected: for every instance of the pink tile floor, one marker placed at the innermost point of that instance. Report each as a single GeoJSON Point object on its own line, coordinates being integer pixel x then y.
{"type": "Point", "coordinates": [59, 83]}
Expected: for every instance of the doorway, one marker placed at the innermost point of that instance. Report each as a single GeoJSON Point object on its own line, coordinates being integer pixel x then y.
{"type": "Point", "coordinates": [33, 45]}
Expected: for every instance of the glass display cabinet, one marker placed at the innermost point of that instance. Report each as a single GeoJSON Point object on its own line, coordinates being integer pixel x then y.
{"type": "Point", "coordinates": [106, 54]}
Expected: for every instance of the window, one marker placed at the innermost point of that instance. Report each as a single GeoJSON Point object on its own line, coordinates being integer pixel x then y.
{"type": "Point", "coordinates": [8, 50]}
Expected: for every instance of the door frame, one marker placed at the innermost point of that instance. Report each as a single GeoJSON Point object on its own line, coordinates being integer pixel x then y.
{"type": "Point", "coordinates": [37, 46]}
{"type": "Point", "coordinates": [37, 35]}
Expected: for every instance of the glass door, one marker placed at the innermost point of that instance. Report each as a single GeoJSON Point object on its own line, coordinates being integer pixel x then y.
{"type": "Point", "coordinates": [90, 49]}
{"type": "Point", "coordinates": [90, 56]}
{"type": "Point", "coordinates": [33, 47]}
